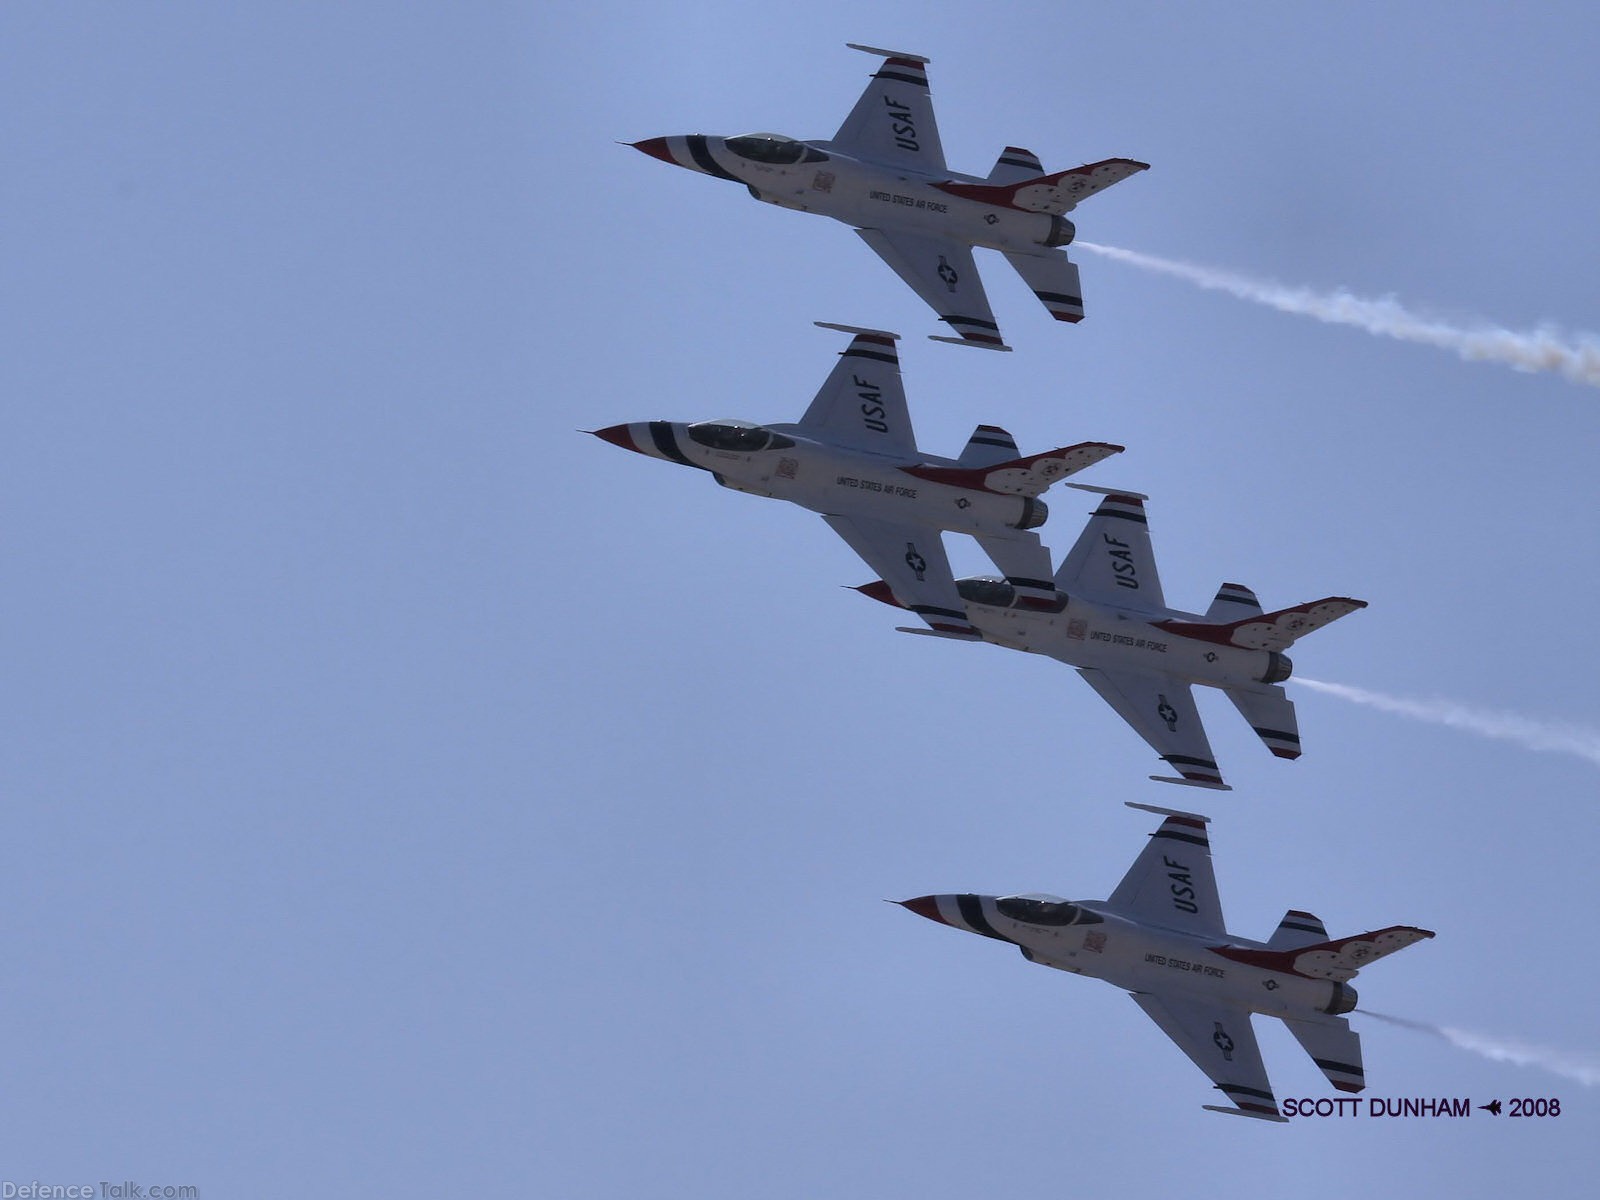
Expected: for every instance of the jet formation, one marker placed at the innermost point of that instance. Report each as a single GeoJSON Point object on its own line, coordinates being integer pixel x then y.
{"type": "Point", "coordinates": [884, 174]}
{"type": "Point", "coordinates": [852, 457]}
{"type": "Point", "coordinates": [1160, 935]}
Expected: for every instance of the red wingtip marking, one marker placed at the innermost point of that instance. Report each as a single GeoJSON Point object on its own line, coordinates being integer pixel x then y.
{"type": "Point", "coordinates": [1279, 753]}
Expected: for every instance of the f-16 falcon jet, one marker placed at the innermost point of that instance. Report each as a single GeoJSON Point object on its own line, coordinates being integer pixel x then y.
{"type": "Point", "coordinates": [1161, 936]}
{"type": "Point", "coordinates": [853, 458]}
{"type": "Point", "coordinates": [1108, 619]}
{"type": "Point", "coordinates": [883, 172]}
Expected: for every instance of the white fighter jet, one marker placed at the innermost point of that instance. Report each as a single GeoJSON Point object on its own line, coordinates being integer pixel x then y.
{"type": "Point", "coordinates": [1109, 620]}
{"type": "Point", "coordinates": [1161, 936]}
{"type": "Point", "coordinates": [884, 174]}
{"type": "Point", "coordinates": [853, 458]}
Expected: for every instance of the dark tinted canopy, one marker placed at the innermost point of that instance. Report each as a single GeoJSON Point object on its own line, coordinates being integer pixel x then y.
{"type": "Point", "coordinates": [739, 436]}
{"type": "Point", "coordinates": [1045, 910]}
{"type": "Point", "coordinates": [771, 148]}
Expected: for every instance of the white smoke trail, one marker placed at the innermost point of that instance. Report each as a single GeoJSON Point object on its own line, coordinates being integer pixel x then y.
{"type": "Point", "coordinates": [1533, 733]}
{"type": "Point", "coordinates": [1580, 1068]}
{"type": "Point", "coordinates": [1542, 349]}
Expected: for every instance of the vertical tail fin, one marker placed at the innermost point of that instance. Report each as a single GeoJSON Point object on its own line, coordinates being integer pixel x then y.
{"type": "Point", "coordinates": [1234, 602]}
{"type": "Point", "coordinates": [988, 445]}
{"type": "Point", "coordinates": [1014, 165]}
{"type": "Point", "coordinates": [1297, 929]}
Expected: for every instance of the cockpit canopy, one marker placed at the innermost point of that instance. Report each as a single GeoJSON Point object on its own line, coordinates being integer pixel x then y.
{"type": "Point", "coordinates": [983, 589]}
{"type": "Point", "coordinates": [773, 148]}
{"type": "Point", "coordinates": [997, 593]}
{"type": "Point", "coordinates": [1045, 910]}
{"type": "Point", "coordinates": [739, 436]}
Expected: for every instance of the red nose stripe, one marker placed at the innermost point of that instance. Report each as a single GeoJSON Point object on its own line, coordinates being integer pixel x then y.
{"type": "Point", "coordinates": [617, 435]}
{"type": "Point", "coordinates": [879, 590]}
{"type": "Point", "coordinates": [925, 906]}
{"type": "Point", "coordinates": [655, 148]}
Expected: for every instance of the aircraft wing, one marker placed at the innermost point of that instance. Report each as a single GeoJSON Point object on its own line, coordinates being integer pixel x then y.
{"type": "Point", "coordinates": [893, 122]}
{"type": "Point", "coordinates": [912, 561]}
{"type": "Point", "coordinates": [943, 274]}
{"type": "Point", "coordinates": [1219, 1039]}
{"type": "Point", "coordinates": [1171, 882]}
{"type": "Point", "coordinates": [1161, 710]}
{"type": "Point", "coordinates": [862, 403]}
{"type": "Point", "coordinates": [1271, 714]}
{"type": "Point", "coordinates": [1053, 278]}
{"type": "Point", "coordinates": [1112, 562]}
{"type": "Point", "coordinates": [1335, 1048]}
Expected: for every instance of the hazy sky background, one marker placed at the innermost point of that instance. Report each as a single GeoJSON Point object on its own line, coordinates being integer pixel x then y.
{"type": "Point", "coordinates": [405, 793]}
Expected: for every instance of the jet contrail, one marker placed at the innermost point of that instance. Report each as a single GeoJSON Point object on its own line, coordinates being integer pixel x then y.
{"type": "Point", "coordinates": [1542, 349]}
{"type": "Point", "coordinates": [1533, 733]}
{"type": "Point", "coordinates": [1581, 1068]}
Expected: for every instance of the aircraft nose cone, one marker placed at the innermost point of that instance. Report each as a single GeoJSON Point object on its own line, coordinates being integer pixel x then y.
{"type": "Point", "coordinates": [878, 590]}
{"type": "Point", "coordinates": [924, 906]}
{"type": "Point", "coordinates": [617, 435]}
{"type": "Point", "coordinates": [656, 148]}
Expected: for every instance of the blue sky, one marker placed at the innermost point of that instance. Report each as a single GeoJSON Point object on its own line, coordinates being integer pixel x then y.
{"type": "Point", "coordinates": [407, 792]}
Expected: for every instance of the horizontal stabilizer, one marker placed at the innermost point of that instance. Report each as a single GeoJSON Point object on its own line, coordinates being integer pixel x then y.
{"type": "Point", "coordinates": [1335, 1048]}
{"type": "Point", "coordinates": [1338, 960]}
{"type": "Point", "coordinates": [1268, 631]}
{"type": "Point", "coordinates": [1296, 930]}
{"type": "Point", "coordinates": [1014, 165]}
{"type": "Point", "coordinates": [1028, 476]}
{"type": "Point", "coordinates": [1058, 193]}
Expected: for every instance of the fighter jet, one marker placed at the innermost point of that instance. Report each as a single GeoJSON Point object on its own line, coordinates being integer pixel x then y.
{"type": "Point", "coordinates": [884, 174]}
{"type": "Point", "coordinates": [853, 458]}
{"type": "Point", "coordinates": [1109, 620]}
{"type": "Point", "coordinates": [1161, 936]}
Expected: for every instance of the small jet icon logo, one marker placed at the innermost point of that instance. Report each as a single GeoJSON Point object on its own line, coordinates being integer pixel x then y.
{"type": "Point", "coordinates": [1492, 1107]}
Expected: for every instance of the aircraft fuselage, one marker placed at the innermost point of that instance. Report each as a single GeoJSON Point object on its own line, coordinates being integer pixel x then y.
{"type": "Point", "coordinates": [866, 195]}
{"type": "Point", "coordinates": [1141, 957]}
{"type": "Point", "coordinates": [1086, 634]}
{"type": "Point", "coordinates": [829, 479]}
